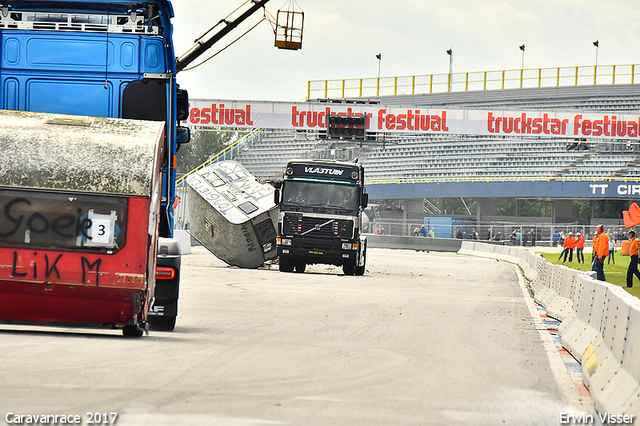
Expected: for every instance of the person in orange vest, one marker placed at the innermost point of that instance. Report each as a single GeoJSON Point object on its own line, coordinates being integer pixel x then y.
{"type": "Point", "coordinates": [600, 251]}
{"type": "Point", "coordinates": [569, 246]}
{"type": "Point", "coordinates": [633, 263]}
{"type": "Point", "coordinates": [580, 247]}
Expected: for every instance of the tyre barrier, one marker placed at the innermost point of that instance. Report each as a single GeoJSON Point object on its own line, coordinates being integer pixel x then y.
{"type": "Point", "coordinates": [600, 324]}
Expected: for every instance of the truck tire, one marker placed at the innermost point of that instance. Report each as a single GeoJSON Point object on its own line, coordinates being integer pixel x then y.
{"type": "Point", "coordinates": [285, 265]}
{"type": "Point", "coordinates": [160, 323]}
{"type": "Point", "coordinates": [349, 268]}
{"type": "Point", "coordinates": [300, 267]}
{"type": "Point", "coordinates": [132, 331]}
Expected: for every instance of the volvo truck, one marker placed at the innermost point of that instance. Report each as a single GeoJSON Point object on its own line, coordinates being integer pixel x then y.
{"type": "Point", "coordinates": [320, 218]}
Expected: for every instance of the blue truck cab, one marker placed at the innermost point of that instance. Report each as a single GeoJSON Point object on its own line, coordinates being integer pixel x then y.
{"type": "Point", "coordinates": [102, 58]}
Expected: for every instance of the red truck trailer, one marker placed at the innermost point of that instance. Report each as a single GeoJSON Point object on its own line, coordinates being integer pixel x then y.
{"type": "Point", "coordinates": [78, 232]}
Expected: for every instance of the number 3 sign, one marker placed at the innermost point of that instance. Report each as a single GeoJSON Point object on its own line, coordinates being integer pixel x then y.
{"type": "Point", "coordinates": [102, 230]}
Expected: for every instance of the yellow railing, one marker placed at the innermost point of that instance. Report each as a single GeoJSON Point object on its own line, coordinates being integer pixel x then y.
{"type": "Point", "coordinates": [477, 80]}
{"type": "Point", "coordinates": [226, 154]}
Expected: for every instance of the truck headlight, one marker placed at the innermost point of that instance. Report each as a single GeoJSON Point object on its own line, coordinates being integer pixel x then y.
{"type": "Point", "coordinates": [286, 241]}
{"type": "Point", "coordinates": [346, 246]}
{"type": "Point", "coordinates": [266, 247]}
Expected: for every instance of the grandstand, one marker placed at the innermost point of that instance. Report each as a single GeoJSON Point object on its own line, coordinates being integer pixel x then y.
{"type": "Point", "coordinates": [481, 157]}
{"type": "Point", "coordinates": [462, 158]}
{"type": "Point", "coordinates": [411, 157]}
{"type": "Point", "coordinates": [267, 158]}
{"type": "Point", "coordinates": [410, 167]}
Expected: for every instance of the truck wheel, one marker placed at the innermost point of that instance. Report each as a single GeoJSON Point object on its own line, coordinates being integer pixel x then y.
{"type": "Point", "coordinates": [300, 267]}
{"type": "Point", "coordinates": [132, 331]}
{"type": "Point", "coordinates": [160, 323]}
{"type": "Point", "coordinates": [359, 270]}
{"type": "Point", "coordinates": [349, 268]}
{"type": "Point", "coordinates": [285, 265]}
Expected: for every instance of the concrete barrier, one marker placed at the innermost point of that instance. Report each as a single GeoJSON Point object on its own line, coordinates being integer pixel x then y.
{"type": "Point", "coordinates": [609, 381]}
{"type": "Point", "coordinates": [600, 325]}
{"type": "Point", "coordinates": [184, 239]}
{"type": "Point", "coordinates": [414, 243]}
{"type": "Point", "coordinates": [562, 305]}
{"type": "Point", "coordinates": [631, 360]}
{"type": "Point", "coordinates": [575, 330]}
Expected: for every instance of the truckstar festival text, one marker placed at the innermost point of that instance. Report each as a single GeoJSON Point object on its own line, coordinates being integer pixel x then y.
{"type": "Point", "coordinates": [313, 116]}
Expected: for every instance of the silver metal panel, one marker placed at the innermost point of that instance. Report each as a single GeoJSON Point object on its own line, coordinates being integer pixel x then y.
{"type": "Point", "coordinates": [74, 153]}
{"type": "Point", "coordinates": [232, 214]}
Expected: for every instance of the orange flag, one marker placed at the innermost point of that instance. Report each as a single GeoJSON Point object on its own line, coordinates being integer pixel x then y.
{"type": "Point", "coordinates": [631, 217]}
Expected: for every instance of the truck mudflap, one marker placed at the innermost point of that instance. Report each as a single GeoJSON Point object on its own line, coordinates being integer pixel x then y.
{"type": "Point", "coordinates": [361, 263]}
{"type": "Point", "coordinates": [164, 307]}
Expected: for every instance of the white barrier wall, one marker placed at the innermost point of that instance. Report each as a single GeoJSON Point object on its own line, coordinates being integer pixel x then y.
{"type": "Point", "coordinates": [600, 324]}
{"type": "Point", "coordinates": [184, 239]}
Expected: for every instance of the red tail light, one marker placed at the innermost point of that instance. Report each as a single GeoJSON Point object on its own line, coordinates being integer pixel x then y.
{"type": "Point", "coordinates": [164, 273]}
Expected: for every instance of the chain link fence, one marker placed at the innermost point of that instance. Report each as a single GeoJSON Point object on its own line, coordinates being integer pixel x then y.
{"type": "Point", "coordinates": [539, 234]}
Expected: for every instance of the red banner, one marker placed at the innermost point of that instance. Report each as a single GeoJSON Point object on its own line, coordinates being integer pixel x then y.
{"type": "Point", "coordinates": [396, 119]}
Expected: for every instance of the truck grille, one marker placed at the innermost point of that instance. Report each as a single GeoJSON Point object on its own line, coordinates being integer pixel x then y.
{"type": "Point", "coordinates": [294, 224]}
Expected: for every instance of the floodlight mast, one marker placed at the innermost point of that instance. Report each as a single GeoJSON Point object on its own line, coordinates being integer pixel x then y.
{"type": "Point", "coordinates": [202, 47]}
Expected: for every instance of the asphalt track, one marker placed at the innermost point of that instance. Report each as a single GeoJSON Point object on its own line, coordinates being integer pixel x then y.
{"type": "Point", "coordinates": [421, 339]}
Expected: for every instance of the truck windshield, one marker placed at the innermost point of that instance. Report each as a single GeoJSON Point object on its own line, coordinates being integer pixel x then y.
{"type": "Point", "coordinates": [324, 195]}
{"type": "Point", "coordinates": [62, 221]}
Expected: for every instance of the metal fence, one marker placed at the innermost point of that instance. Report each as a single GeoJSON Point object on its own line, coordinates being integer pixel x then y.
{"type": "Point", "coordinates": [539, 233]}
{"type": "Point", "coordinates": [477, 80]}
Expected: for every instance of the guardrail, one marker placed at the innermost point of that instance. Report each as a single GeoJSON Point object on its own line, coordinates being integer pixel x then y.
{"type": "Point", "coordinates": [413, 243]}
{"type": "Point", "coordinates": [600, 325]}
{"type": "Point", "coordinates": [476, 80]}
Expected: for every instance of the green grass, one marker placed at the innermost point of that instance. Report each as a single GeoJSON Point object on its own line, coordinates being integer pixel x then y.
{"type": "Point", "coordinates": [615, 274]}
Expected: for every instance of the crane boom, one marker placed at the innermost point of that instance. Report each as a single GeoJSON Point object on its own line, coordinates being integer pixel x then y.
{"type": "Point", "coordinates": [202, 47]}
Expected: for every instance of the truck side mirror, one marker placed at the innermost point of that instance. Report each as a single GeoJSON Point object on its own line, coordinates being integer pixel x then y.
{"type": "Point", "coordinates": [182, 102]}
{"type": "Point", "coordinates": [183, 135]}
{"type": "Point", "coordinates": [365, 200]}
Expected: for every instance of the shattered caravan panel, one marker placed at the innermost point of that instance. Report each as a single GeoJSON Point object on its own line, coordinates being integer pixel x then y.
{"type": "Point", "coordinates": [232, 214]}
{"type": "Point", "coordinates": [75, 153]}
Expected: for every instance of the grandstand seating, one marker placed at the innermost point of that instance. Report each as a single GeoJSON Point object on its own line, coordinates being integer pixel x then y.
{"type": "Point", "coordinates": [435, 157]}
{"type": "Point", "coordinates": [490, 158]}
{"type": "Point", "coordinates": [267, 158]}
{"type": "Point", "coordinates": [467, 157]}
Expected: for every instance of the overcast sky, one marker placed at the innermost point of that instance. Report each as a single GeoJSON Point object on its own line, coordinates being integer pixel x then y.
{"type": "Point", "coordinates": [342, 37]}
